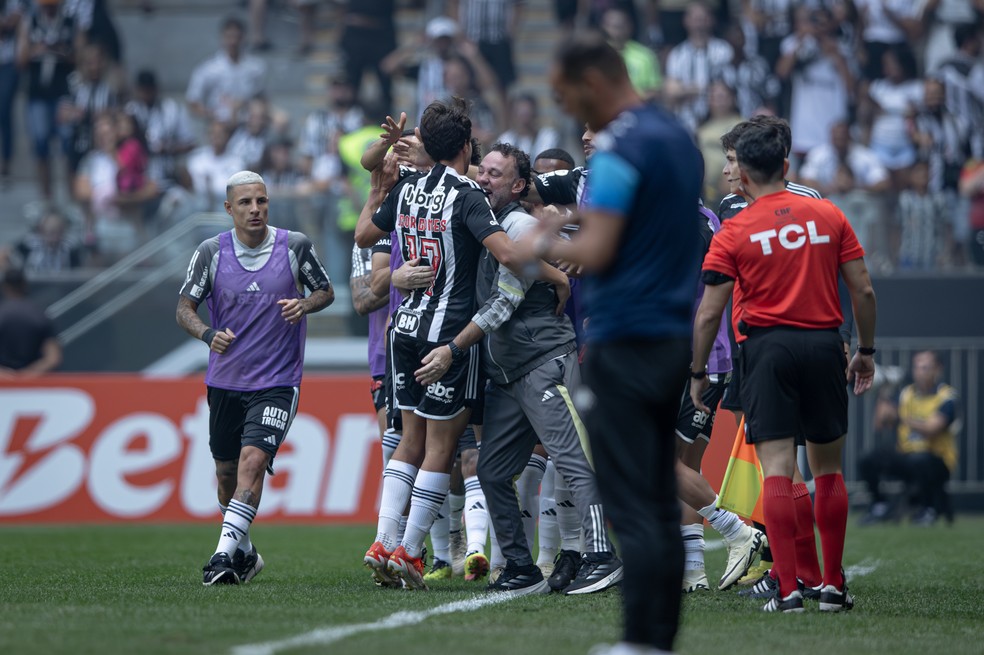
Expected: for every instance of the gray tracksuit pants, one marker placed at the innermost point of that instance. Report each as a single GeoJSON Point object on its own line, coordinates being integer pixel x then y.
{"type": "Point", "coordinates": [536, 406]}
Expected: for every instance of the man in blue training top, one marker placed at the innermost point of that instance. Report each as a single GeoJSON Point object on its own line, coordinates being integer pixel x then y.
{"type": "Point", "coordinates": [639, 247]}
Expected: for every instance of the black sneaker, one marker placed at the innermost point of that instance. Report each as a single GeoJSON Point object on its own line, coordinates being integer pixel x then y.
{"type": "Point", "coordinates": [219, 570]}
{"type": "Point", "coordinates": [764, 589]}
{"type": "Point", "coordinates": [597, 573]}
{"type": "Point", "coordinates": [793, 603]}
{"type": "Point", "coordinates": [247, 565]}
{"type": "Point", "coordinates": [833, 599]}
{"type": "Point", "coordinates": [566, 565]}
{"type": "Point", "coordinates": [520, 581]}
{"type": "Point", "coordinates": [809, 593]}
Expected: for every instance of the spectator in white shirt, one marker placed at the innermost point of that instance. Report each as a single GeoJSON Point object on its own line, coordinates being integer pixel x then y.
{"type": "Point", "coordinates": [220, 86]}
{"type": "Point", "coordinates": [851, 176]}
{"type": "Point", "coordinates": [210, 166]}
{"type": "Point", "coordinates": [822, 79]}
{"type": "Point", "coordinates": [886, 23]}
{"type": "Point", "coordinates": [891, 102]}
{"type": "Point", "coordinates": [524, 130]}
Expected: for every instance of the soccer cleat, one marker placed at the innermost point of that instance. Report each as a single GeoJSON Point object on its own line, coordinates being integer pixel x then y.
{"type": "Point", "coordinates": [440, 570]}
{"type": "Point", "coordinates": [219, 570]}
{"type": "Point", "coordinates": [755, 574]}
{"type": "Point", "coordinates": [764, 589]}
{"type": "Point", "coordinates": [566, 566]}
{"type": "Point", "coordinates": [247, 565]}
{"type": "Point", "coordinates": [520, 581]}
{"type": "Point", "coordinates": [409, 569]}
{"type": "Point", "coordinates": [476, 566]}
{"type": "Point", "coordinates": [694, 580]}
{"type": "Point", "coordinates": [741, 551]}
{"type": "Point", "coordinates": [458, 553]}
{"type": "Point", "coordinates": [495, 573]}
{"type": "Point", "coordinates": [791, 604]}
{"type": "Point", "coordinates": [833, 599]}
{"type": "Point", "coordinates": [377, 560]}
{"type": "Point", "coordinates": [809, 593]}
{"type": "Point", "coordinates": [547, 569]}
{"type": "Point", "coordinates": [595, 575]}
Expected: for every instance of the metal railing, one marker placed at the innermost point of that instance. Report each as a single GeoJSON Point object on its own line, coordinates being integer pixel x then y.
{"type": "Point", "coordinates": [152, 278]}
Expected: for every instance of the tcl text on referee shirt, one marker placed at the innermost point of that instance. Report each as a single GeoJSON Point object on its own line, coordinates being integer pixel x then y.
{"type": "Point", "coordinates": [785, 251]}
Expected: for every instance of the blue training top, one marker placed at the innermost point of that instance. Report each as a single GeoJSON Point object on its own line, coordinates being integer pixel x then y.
{"type": "Point", "coordinates": [646, 171]}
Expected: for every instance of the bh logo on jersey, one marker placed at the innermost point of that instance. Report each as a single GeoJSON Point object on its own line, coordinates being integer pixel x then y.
{"type": "Point", "coordinates": [790, 237]}
{"type": "Point", "coordinates": [406, 322]}
{"type": "Point", "coordinates": [441, 392]}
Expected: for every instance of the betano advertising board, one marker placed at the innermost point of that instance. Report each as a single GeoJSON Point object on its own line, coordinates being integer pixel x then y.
{"type": "Point", "coordinates": [110, 448]}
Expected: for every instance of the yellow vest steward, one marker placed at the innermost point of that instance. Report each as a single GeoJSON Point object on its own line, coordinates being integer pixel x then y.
{"type": "Point", "coordinates": [913, 405]}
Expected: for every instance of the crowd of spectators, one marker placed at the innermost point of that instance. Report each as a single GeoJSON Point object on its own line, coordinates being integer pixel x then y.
{"type": "Point", "coordinates": [885, 99]}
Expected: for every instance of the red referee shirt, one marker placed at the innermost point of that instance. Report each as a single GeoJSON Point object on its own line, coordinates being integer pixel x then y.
{"type": "Point", "coordinates": [784, 252]}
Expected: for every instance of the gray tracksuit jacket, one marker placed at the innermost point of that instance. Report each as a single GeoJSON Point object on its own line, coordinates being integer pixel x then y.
{"type": "Point", "coordinates": [517, 314]}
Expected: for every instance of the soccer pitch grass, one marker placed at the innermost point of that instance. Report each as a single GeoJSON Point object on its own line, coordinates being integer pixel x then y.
{"type": "Point", "coordinates": [137, 589]}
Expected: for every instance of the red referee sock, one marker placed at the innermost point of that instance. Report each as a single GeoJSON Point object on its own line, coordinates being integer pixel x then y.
{"type": "Point", "coordinates": [807, 564]}
{"type": "Point", "coordinates": [780, 516]}
{"type": "Point", "coordinates": [831, 514]}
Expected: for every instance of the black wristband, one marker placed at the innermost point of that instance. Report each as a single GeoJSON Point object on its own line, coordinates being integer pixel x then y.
{"type": "Point", "coordinates": [866, 351]}
{"type": "Point", "coordinates": [208, 335]}
{"type": "Point", "coordinates": [698, 375]}
{"type": "Point", "coordinates": [456, 352]}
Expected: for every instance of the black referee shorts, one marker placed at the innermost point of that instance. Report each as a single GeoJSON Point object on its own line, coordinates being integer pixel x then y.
{"type": "Point", "coordinates": [794, 384]}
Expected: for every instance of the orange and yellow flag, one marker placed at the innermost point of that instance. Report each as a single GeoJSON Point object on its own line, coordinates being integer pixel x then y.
{"type": "Point", "coordinates": [741, 488]}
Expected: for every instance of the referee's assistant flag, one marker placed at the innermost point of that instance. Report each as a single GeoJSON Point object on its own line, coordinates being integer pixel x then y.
{"type": "Point", "coordinates": [741, 488]}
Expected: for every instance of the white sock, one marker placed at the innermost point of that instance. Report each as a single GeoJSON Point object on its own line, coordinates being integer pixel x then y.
{"type": "Point", "coordinates": [528, 490]}
{"type": "Point", "coordinates": [693, 546]}
{"type": "Point", "coordinates": [476, 516]}
{"type": "Point", "coordinates": [245, 544]}
{"type": "Point", "coordinates": [496, 559]}
{"type": "Point", "coordinates": [548, 535]}
{"type": "Point", "coordinates": [440, 536]}
{"type": "Point", "coordinates": [457, 503]}
{"type": "Point", "coordinates": [402, 530]}
{"type": "Point", "coordinates": [397, 484]}
{"type": "Point", "coordinates": [235, 524]}
{"type": "Point", "coordinates": [391, 440]}
{"type": "Point", "coordinates": [568, 521]}
{"type": "Point", "coordinates": [428, 495]}
{"type": "Point", "coordinates": [725, 522]}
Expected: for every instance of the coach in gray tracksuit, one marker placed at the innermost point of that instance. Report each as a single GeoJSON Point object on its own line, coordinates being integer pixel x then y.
{"type": "Point", "coordinates": [529, 356]}
{"type": "Point", "coordinates": [531, 360]}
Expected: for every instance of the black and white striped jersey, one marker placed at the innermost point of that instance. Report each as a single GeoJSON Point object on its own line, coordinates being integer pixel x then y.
{"type": "Point", "coordinates": [441, 217]}
{"type": "Point", "coordinates": [733, 203]}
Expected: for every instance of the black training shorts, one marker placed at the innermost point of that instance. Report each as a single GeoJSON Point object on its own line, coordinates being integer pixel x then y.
{"type": "Point", "coordinates": [693, 424]}
{"type": "Point", "coordinates": [249, 418]}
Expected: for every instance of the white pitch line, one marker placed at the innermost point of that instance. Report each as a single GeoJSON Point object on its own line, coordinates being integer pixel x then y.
{"type": "Point", "coordinates": [864, 567]}
{"type": "Point", "coordinates": [329, 635]}
{"type": "Point", "coordinates": [325, 636]}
